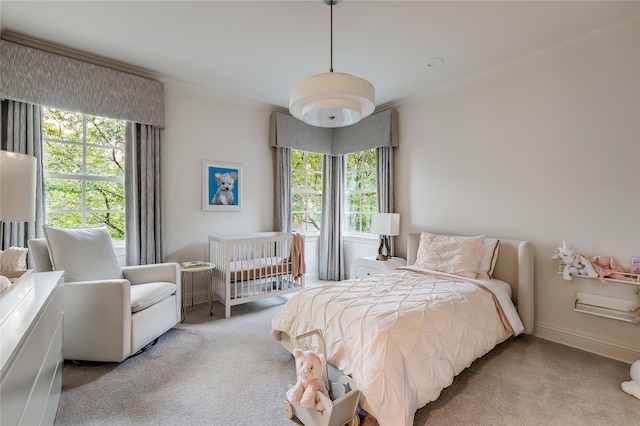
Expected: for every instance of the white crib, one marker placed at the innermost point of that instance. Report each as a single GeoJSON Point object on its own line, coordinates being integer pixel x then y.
{"type": "Point", "coordinates": [249, 267]}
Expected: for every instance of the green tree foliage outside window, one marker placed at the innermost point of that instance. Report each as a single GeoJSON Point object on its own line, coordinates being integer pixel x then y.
{"type": "Point", "coordinates": [362, 196]}
{"type": "Point", "coordinates": [306, 191]}
{"type": "Point", "coordinates": [84, 170]}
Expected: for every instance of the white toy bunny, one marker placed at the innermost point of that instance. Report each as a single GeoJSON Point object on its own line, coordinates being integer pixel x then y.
{"type": "Point", "coordinates": [574, 263]}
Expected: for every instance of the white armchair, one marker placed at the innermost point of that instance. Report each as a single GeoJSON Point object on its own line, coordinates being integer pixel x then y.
{"type": "Point", "coordinates": [107, 319]}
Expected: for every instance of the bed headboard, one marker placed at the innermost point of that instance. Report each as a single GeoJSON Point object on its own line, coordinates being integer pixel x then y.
{"type": "Point", "coordinates": [514, 265]}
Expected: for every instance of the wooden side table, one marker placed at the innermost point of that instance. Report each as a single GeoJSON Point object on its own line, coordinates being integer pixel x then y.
{"type": "Point", "coordinates": [188, 269]}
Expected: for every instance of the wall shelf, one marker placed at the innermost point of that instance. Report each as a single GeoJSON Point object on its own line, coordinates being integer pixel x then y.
{"type": "Point", "coordinates": [633, 278]}
{"type": "Point", "coordinates": [608, 307]}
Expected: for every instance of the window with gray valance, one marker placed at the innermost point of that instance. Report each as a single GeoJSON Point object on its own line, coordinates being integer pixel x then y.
{"type": "Point", "coordinates": [37, 77]}
{"type": "Point", "coordinates": [42, 78]}
{"type": "Point", "coordinates": [378, 130]}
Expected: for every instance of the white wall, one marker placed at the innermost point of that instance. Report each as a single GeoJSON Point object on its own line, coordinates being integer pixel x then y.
{"type": "Point", "coordinates": [202, 125]}
{"type": "Point", "coordinates": [546, 150]}
{"type": "Point", "coordinates": [205, 126]}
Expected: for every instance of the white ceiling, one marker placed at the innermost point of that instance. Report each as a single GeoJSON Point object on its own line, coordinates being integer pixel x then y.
{"type": "Point", "coordinates": [257, 49]}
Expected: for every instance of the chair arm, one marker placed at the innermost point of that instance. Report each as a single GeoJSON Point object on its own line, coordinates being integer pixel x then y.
{"type": "Point", "coordinates": [141, 274]}
{"type": "Point", "coordinates": [97, 320]}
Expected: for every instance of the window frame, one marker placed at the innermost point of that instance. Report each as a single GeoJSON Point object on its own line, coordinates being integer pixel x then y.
{"type": "Point", "coordinates": [360, 192]}
{"type": "Point", "coordinates": [83, 178]}
{"type": "Point", "coordinates": [306, 191]}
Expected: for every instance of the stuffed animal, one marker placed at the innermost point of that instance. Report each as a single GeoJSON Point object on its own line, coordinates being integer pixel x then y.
{"type": "Point", "coordinates": [309, 366]}
{"type": "Point", "coordinates": [633, 387]}
{"type": "Point", "coordinates": [606, 266]}
{"type": "Point", "coordinates": [574, 263]}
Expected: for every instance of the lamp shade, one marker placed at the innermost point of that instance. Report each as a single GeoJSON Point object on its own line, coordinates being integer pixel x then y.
{"type": "Point", "coordinates": [385, 223]}
{"type": "Point", "coordinates": [332, 100]}
{"type": "Point", "coordinates": [17, 187]}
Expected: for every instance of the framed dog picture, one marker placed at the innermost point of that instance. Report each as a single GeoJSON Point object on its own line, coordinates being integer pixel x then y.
{"type": "Point", "coordinates": [221, 186]}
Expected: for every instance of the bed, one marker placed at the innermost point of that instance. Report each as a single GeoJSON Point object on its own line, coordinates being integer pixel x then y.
{"type": "Point", "coordinates": [249, 267]}
{"type": "Point", "coordinates": [403, 336]}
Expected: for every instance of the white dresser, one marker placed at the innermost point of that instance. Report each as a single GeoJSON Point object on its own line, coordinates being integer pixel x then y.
{"type": "Point", "coordinates": [363, 266]}
{"type": "Point", "coordinates": [31, 355]}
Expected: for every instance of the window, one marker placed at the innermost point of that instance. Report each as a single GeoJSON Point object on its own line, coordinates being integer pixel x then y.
{"type": "Point", "coordinates": [306, 191]}
{"type": "Point", "coordinates": [362, 196]}
{"type": "Point", "coordinates": [84, 170]}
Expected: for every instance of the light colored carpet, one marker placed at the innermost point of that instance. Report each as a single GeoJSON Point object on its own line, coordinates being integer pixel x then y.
{"type": "Point", "coordinates": [212, 371]}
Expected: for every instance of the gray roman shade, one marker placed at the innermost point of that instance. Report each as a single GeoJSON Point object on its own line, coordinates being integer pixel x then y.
{"type": "Point", "coordinates": [378, 130]}
{"type": "Point", "coordinates": [42, 78]}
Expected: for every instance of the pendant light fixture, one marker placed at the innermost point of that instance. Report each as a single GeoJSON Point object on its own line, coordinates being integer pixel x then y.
{"type": "Point", "coordinates": [332, 99]}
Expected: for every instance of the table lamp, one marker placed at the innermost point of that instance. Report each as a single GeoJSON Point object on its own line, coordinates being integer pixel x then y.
{"type": "Point", "coordinates": [386, 225]}
{"type": "Point", "coordinates": [17, 188]}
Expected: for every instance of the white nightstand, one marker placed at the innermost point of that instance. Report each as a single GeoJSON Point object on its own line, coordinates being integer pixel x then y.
{"type": "Point", "coordinates": [364, 266]}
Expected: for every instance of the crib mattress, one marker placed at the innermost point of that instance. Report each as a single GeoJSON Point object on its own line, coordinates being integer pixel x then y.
{"type": "Point", "coordinates": [264, 267]}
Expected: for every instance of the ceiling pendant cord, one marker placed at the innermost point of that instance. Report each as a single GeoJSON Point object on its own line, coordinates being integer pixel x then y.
{"type": "Point", "coordinates": [331, 38]}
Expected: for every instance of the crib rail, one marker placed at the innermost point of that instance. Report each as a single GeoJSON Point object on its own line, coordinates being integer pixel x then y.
{"type": "Point", "coordinates": [251, 266]}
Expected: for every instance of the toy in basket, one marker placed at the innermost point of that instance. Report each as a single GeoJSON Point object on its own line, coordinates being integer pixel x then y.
{"type": "Point", "coordinates": [313, 378]}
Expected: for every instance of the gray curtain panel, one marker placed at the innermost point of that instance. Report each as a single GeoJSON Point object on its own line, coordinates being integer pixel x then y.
{"type": "Point", "coordinates": [21, 131]}
{"type": "Point", "coordinates": [144, 234]}
{"type": "Point", "coordinates": [282, 221]}
{"type": "Point", "coordinates": [331, 251]}
{"type": "Point", "coordinates": [384, 174]}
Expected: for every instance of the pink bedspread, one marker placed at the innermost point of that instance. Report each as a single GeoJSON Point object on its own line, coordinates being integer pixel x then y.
{"type": "Point", "coordinates": [402, 336]}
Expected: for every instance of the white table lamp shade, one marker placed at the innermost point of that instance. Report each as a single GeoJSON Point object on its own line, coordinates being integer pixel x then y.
{"type": "Point", "coordinates": [17, 187]}
{"type": "Point", "coordinates": [385, 224]}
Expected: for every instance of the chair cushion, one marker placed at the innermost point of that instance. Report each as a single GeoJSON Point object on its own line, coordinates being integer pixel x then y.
{"type": "Point", "coordinates": [84, 254]}
{"type": "Point", "coordinates": [145, 295]}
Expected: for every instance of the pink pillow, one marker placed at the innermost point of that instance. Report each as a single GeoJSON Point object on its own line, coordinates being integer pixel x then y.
{"type": "Point", "coordinates": [450, 253]}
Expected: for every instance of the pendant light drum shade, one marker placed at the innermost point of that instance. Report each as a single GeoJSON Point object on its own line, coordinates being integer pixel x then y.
{"type": "Point", "coordinates": [332, 100]}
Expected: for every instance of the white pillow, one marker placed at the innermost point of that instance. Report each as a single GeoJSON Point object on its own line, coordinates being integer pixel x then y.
{"type": "Point", "coordinates": [84, 254]}
{"type": "Point", "coordinates": [450, 253]}
{"type": "Point", "coordinates": [489, 257]}
{"type": "Point", "coordinates": [13, 259]}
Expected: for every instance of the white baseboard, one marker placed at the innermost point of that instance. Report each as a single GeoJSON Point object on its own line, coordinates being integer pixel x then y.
{"type": "Point", "coordinates": [587, 343]}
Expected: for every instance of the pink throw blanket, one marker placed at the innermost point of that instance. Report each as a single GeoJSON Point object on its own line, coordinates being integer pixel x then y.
{"type": "Point", "coordinates": [298, 266]}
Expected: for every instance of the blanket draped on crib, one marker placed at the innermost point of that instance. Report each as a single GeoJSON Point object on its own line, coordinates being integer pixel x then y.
{"type": "Point", "coordinates": [298, 266]}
